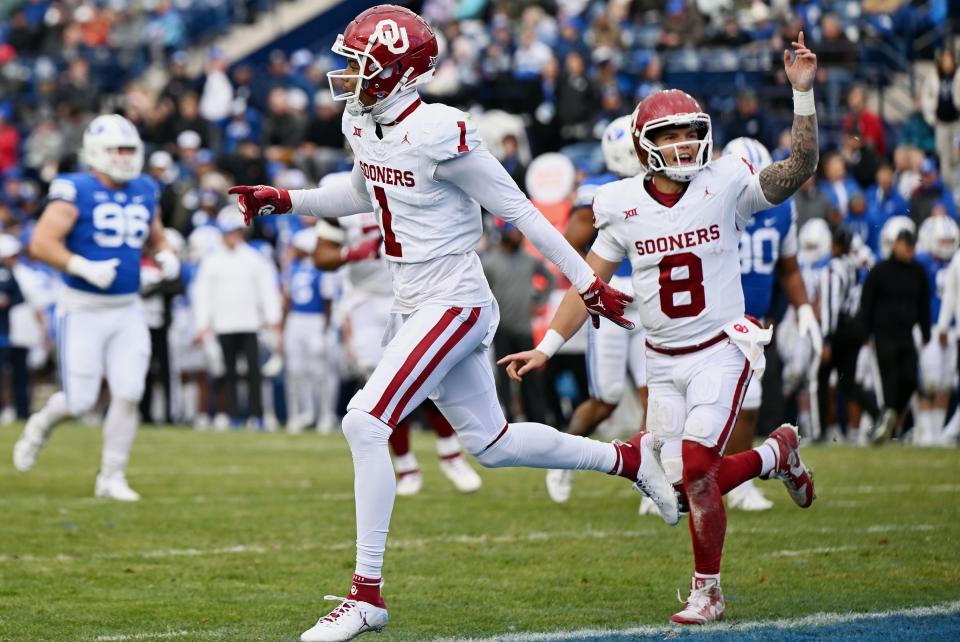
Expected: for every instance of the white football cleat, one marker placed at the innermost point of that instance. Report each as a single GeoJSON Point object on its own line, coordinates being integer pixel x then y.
{"type": "Point", "coordinates": [704, 605]}
{"type": "Point", "coordinates": [409, 483]}
{"type": "Point", "coordinates": [115, 487]}
{"type": "Point", "coordinates": [347, 621]}
{"type": "Point", "coordinates": [559, 485]}
{"type": "Point", "coordinates": [327, 425]}
{"type": "Point", "coordinates": [459, 472]}
{"type": "Point", "coordinates": [647, 507]}
{"type": "Point", "coordinates": [748, 497]}
{"type": "Point", "coordinates": [31, 442]}
{"type": "Point", "coordinates": [652, 481]}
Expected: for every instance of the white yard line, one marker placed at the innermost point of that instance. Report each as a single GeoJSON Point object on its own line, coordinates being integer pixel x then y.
{"type": "Point", "coordinates": [145, 636]}
{"type": "Point", "coordinates": [803, 552]}
{"type": "Point", "coordinates": [424, 542]}
{"type": "Point", "coordinates": [805, 622]}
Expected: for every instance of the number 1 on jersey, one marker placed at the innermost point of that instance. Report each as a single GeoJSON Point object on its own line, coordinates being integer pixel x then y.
{"type": "Point", "coordinates": [390, 243]}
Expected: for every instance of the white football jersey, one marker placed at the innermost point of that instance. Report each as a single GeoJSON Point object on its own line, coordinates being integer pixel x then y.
{"type": "Point", "coordinates": [366, 277]}
{"type": "Point", "coordinates": [430, 228]}
{"type": "Point", "coordinates": [685, 258]}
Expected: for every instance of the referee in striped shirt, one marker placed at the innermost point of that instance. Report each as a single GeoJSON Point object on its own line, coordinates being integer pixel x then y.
{"type": "Point", "coordinates": [843, 334]}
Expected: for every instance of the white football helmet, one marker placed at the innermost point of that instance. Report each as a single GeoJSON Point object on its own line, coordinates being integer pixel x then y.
{"type": "Point", "coordinates": [204, 240]}
{"type": "Point", "coordinates": [619, 154]}
{"type": "Point", "coordinates": [103, 139]}
{"type": "Point", "coordinates": [305, 240]}
{"type": "Point", "coordinates": [816, 241]}
{"type": "Point", "coordinates": [751, 149]}
{"type": "Point", "coordinates": [890, 230]}
{"type": "Point", "coordinates": [939, 236]}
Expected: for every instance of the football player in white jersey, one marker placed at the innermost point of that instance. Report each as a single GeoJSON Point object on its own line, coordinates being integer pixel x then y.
{"type": "Point", "coordinates": [425, 173]}
{"type": "Point", "coordinates": [368, 298]}
{"type": "Point", "coordinates": [680, 224]}
{"type": "Point", "coordinates": [613, 352]}
{"type": "Point", "coordinates": [96, 228]}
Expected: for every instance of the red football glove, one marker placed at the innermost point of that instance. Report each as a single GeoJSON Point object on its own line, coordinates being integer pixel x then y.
{"type": "Point", "coordinates": [261, 200]}
{"type": "Point", "coordinates": [604, 301]}
{"type": "Point", "coordinates": [369, 249]}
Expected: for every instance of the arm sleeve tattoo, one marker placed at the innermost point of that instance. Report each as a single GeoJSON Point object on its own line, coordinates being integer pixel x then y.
{"type": "Point", "coordinates": [781, 179]}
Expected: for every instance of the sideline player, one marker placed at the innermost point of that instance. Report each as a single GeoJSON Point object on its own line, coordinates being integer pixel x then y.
{"type": "Point", "coordinates": [368, 297]}
{"type": "Point", "coordinates": [680, 224]}
{"type": "Point", "coordinates": [768, 251]}
{"type": "Point", "coordinates": [95, 229]}
{"type": "Point", "coordinates": [612, 352]}
{"type": "Point", "coordinates": [425, 173]}
{"type": "Point", "coordinates": [939, 238]}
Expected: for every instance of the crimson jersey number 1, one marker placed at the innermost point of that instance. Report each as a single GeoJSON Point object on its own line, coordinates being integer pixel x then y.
{"type": "Point", "coordinates": [693, 284]}
{"type": "Point", "coordinates": [390, 243]}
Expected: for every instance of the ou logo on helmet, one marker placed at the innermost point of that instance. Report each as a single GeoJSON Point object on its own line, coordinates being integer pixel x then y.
{"type": "Point", "coordinates": [393, 36]}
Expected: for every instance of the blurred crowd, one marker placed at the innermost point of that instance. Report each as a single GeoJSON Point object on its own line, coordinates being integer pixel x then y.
{"type": "Point", "coordinates": [540, 77]}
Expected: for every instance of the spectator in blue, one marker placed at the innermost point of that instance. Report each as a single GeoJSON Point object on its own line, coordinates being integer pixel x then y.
{"type": "Point", "coordinates": [857, 220]}
{"type": "Point", "coordinates": [13, 357]}
{"type": "Point", "coordinates": [244, 123]}
{"type": "Point", "coordinates": [883, 201]}
{"type": "Point", "coordinates": [166, 27]}
{"type": "Point", "coordinates": [836, 185]}
{"type": "Point", "coordinates": [932, 192]}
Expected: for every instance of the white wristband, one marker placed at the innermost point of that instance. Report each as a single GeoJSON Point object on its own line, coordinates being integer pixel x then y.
{"type": "Point", "coordinates": [78, 266]}
{"type": "Point", "coordinates": [803, 103]}
{"type": "Point", "coordinates": [551, 342]}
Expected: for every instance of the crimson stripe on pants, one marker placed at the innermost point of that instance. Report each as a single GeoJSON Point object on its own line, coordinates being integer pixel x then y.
{"type": "Point", "coordinates": [444, 350]}
{"type": "Point", "coordinates": [735, 409]}
{"type": "Point", "coordinates": [415, 356]}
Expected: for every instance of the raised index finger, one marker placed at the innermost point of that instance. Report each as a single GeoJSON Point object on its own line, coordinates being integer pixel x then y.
{"type": "Point", "coordinates": [240, 189]}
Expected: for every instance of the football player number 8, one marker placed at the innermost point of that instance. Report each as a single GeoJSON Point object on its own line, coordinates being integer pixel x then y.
{"type": "Point", "coordinates": [681, 297]}
{"type": "Point", "coordinates": [390, 243]}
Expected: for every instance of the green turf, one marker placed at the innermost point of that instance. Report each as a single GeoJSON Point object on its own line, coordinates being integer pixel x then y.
{"type": "Point", "coordinates": [240, 535]}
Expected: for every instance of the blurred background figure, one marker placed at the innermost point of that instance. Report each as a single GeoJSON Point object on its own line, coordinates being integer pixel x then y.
{"type": "Point", "coordinates": [234, 297]}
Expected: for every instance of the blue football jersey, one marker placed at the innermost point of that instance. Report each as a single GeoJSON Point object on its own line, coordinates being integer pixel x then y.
{"type": "Point", "coordinates": [771, 234]}
{"type": "Point", "coordinates": [936, 270]}
{"type": "Point", "coordinates": [303, 284]}
{"type": "Point", "coordinates": [111, 224]}
{"type": "Point", "coordinates": [584, 198]}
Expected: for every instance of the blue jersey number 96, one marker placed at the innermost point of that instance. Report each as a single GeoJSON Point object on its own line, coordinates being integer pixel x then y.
{"type": "Point", "coordinates": [117, 225]}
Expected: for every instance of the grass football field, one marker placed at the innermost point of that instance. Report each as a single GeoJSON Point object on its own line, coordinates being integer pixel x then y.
{"type": "Point", "coordinates": [240, 535]}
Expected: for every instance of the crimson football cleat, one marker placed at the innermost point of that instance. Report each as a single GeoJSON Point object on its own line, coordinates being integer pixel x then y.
{"type": "Point", "coordinates": [789, 468]}
{"type": "Point", "coordinates": [704, 605]}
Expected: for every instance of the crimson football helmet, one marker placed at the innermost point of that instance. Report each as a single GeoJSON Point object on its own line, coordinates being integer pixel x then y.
{"type": "Point", "coordinates": [394, 48]}
{"type": "Point", "coordinates": [671, 108]}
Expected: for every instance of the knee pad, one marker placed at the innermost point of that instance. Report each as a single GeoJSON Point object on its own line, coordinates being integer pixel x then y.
{"type": "Point", "coordinates": [361, 430]}
{"type": "Point", "coordinates": [611, 393]}
{"type": "Point", "coordinates": [499, 454]}
{"type": "Point", "coordinates": [81, 399]}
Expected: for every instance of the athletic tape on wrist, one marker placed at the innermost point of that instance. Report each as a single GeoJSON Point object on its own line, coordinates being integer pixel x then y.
{"type": "Point", "coordinates": [551, 342]}
{"type": "Point", "coordinates": [803, 103]}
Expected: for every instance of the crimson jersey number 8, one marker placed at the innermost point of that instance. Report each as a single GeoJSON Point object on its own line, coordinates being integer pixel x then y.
{"type": "Point", "coordinates": [692, 284]}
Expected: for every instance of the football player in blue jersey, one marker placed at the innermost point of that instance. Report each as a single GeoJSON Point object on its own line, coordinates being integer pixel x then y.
{"type": "Point", "coordinates": [938, 239]}
{"type": "Point", "coordinates": [308, 295]}
{"type": "Point", "coordinates": [613, 353]}
{"type": "Point", "coordinates": [95, 229]}
{"type": "Point", "coordinates": [768, 251]}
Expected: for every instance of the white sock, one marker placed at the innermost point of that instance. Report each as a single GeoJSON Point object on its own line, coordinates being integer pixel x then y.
{"type": "Point", "coordinates": [47, 418]}
{"type": "Point", "coordinates": [119, 430]}
{"type": "Point", "coordinates": [406, 463]}
{"type": "Point", "coordinates": [540, 446]}
{"type": "Point", "coordinates": [937, 416]}
{"type": "Point", "coordinates": [374, 487]}
{"type": "Point", "coordinates": [769, 452]}
{"type": "Point", "coordinates": [921, 427]}
{"type": "Point", "coordinates": [448, 447]}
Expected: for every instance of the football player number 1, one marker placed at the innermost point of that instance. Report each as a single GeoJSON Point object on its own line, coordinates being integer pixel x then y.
{"type": "Point", "coordinates": [390, 243]}
{"type": "Point", "coordinates": [672, 289]}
